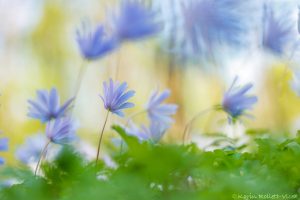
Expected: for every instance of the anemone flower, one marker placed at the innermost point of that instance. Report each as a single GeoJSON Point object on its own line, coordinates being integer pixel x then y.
{"type": "Point", "coordinates": [61, 131]}
{"type": "Point", "coordinates": [95, 44]}
{"type": "Point", "coordinates": [159, 111]}
{"type": "Point", "coordinates": [115, 97]}
{"type": "Point", "coordinates": [236, 101]}
{"type": "Point", "coordinates": [207, 23]}
{"type": "Point", "coordinates": [278, 30]}
{"type": "Point", "coordinates": [47, 106]}
{"type": "Point", "coordinates": [134, 21]}
{"type": "Point", "coordinates": [153, 133]}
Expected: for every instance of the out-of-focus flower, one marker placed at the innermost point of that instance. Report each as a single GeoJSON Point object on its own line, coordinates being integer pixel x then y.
{"type": "Point", "coordinates": [295, 83]}
{"type": "Point", "coordinates": [134, 21]}
{"type": "Point", "coordinates": [47, 106]}
{"type": "Point", "coordinates": [207, 23]}
{"type": "Point", "coordinates": [153, 133]}
{"type": "Point", "coordinates": [31, 150]}
{"type": "Point", "coordinates": [115, 97]}
{"type": "Point", "coordinates": [3, 147]}
{"type": "Point", "coordinates": [159, 112]}
{"type": "Point", "coordinates": [236, 101]}
{"type": "Point", "coordinates": [278, 30]}
{"type": "Point", "coordinates": [61, 130]}
{"type": "Point", "coordinates": [95, 44]}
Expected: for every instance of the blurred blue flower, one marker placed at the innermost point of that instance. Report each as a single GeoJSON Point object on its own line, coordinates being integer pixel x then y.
{"type": "Point", "coordinates": [61, 130]}
{"type": "Point", "coordinates": [207, 23]}
{"type": "Point", "coordinates": [153, 133]}
{"type": "Point", "coordinates": [95, 44]}
{"type": "Point", "coordinates": [236, 101]}
{"type": "Point", "coordinates": [295, 83]}
{"type": "Point", "coordinates": [31, 150]}
{"type": "Point", "coordinates": [278, 30]}
{"type": "Point", "coordinates": [134, 21]}
{"type": "Point", "coordinates": [115, 97]}
{"type": "Point", "coordinates": [47, 106]}
{"type": "Point", "coordinates": [3, 147]}
{"type": "Point", "coordinates": [159, 112]}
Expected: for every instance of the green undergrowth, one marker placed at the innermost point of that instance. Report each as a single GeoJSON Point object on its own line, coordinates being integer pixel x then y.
{"type": "Point", "coordinates": [162, 171]}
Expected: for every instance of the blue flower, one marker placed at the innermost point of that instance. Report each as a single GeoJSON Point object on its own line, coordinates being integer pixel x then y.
{"type": "Point", "coordinates": [47, 106]}
{"type": "Point", "coordinates": [61, 130]}
{"type": "Point", "coordinates": [159, 112]}
{"type": "Point", "coordinates": [236, 101]}
{"type": "Point", "coordinates": [153, 133]}
{"type": "Point", "coordinates": [207, 23]}
{"type": "Point", "coordinates": [134, 21]}
{"type": "Point", "coordinates": [278, 30]}
{"type": "Point", "coordinates": [31, 150]}
{"type": "Point", "coordinates": [96, 44]}
{"type": "Point", "coordinates": [3, 147]}
{"type": "Point", "coordinates": [115, 97]}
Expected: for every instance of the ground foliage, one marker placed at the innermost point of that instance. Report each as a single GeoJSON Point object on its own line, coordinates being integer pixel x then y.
{"type": "Point", "coordinates": [162, 171]}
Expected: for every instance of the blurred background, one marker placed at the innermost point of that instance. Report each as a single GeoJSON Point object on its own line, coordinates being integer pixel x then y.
{"type": "Point", "coordinates": [38, 50]}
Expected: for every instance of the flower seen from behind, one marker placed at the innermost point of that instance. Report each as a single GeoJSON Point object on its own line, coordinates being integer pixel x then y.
{"type": "Point", "coordinates": [159, 111]}
{"type": "Point", "coordinates": [61, 131]}
{"type": "Point", "coordinates": [153, 133]}
{"type": "Point", "coordinates": [95, 44]}
{"type": "Point", "coordinates": [236, 101]}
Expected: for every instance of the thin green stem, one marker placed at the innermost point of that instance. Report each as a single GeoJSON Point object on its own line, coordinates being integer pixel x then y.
{"type": "Point", "coordinates": [134, 115]}
{"type": "Point", "coordinates": [79, 79]}
{"type": "Point", "coordinates": [191, 121]}
{"type": "Point", "coordinates": [41, 156]}
{"type": "Point", "coordinates": [80, 76]}
{"type": "Point", "coordinates": [101, 135]}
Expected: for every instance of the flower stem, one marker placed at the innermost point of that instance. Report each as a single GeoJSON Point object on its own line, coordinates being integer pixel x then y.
{"type": "Point", "coordinates": [41, 157]}
{"type": "Point", "coordinates": [191, 121]}
{"type": "Point", "coordinates": [80, 76]}
{"type": "Point", "coordinates": [101, 135]}
{"type": "Point", "coordinates": [133, 116]}
{"type": "Point", "coordinates": [81, 73]}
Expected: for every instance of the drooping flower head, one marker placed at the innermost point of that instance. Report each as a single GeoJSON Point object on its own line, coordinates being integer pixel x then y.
{"type": "Point", "coordinates": [95, 44]}
{"type": "Point", "coordinates": [236, 100]}
{"type": "Point", "coordinates": [3, 147]}
{"type": "Point", "coordinates": [134, 21]}
{"type": "Point", "coordinates": [47, 106]}
{"type": "Point", "coordinates": [31, 150]}
{"type": "Point", "coordinates": [115, 97]}
{"type": "Point", "coordinates": [207, 23]}
{"type": "Point", "coordinates": [153, 133]}
{"type": "Point", "coordinates": [159, 111]}
{"type": "Point", "coordinates": [278, 30]}
{"type": "Point", "coordinates": [61, 130]}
